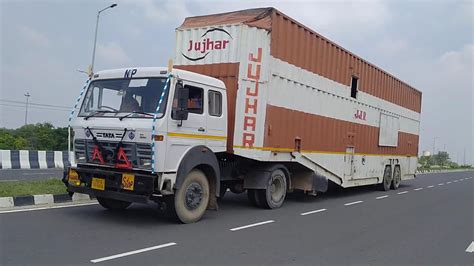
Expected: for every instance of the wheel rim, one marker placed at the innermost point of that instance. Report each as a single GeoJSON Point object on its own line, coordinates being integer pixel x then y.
{"type": "Point", "coordinates": [194, 196]}
{"type": "Point", "coordinates": [276, 189]}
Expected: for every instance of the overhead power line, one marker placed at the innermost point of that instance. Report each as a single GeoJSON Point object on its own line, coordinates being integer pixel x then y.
{"type": "Point", "coordinates": [36, 107]}
{"type": "Point", "coordinates": [35, 104]}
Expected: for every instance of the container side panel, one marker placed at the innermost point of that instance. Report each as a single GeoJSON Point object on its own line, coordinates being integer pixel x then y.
{"type": "Point", "coordinates": [290, 45]}
{"type": "Point", "coordinates": [332, 137]}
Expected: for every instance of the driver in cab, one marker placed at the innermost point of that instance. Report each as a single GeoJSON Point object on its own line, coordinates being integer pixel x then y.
{"type": "Point", "coordinates": [129, 104]}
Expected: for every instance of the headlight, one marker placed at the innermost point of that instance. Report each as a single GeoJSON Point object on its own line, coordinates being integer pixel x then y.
{"type": "Point", "coordinates": [145, 162]}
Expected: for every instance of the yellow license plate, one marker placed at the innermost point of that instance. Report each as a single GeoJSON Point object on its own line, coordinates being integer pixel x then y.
{"type": "Point", "coordinates": [128, 181]}
{"type": "Point", "coordinates": [98, 183]}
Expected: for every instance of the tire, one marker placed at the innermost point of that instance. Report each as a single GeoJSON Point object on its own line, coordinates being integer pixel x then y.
{"type": "Point", "coordinates": [113, 204]}
{"type": "Point", "coordinates": [274, 195]}
{"type": "Point", "coordinates": [387, 178]}
{"type": "Point", "coordinates": [397, 177]}
{"type": "Point", "coordinates": [192, 198]}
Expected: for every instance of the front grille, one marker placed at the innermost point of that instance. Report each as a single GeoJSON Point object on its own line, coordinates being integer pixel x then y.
{"type": "Point", "coordinates": [136, 153]}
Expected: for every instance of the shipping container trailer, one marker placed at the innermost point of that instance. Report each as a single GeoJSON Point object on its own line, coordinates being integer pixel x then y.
{"type": "Point", "coordinates": [255, 102]}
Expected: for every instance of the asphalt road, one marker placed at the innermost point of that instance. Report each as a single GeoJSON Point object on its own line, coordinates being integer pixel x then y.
{"type": "Point", "coordinates": [428, 221]}
{"type": "Point", "coordinates": [29, 174]}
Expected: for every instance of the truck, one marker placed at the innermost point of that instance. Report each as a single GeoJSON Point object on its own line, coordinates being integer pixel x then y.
{"type": "Point", "coordinates": [253, 102]}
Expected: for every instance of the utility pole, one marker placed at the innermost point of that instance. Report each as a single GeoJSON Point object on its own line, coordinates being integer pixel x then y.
{"type": "Point", "coordinates": [27, 95]}
{"type": "Point", "coordinates": [464, 156]}
{"type": "Point", "coordinates": [434, 145]}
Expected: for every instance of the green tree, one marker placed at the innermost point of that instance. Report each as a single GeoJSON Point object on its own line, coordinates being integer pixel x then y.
{"type": "Point", "coordinates": [7, 141]}
{"type": "Point", "coordinates": [34, 137]}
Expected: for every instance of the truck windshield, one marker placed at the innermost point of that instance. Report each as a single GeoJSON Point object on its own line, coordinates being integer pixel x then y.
{"type": "Point", "coordinates": [118, 97]}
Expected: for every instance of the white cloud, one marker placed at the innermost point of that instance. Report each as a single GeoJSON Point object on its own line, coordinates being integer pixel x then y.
{"type": "Point", "coordinates": [33, 36]}
{"type": "Point", "coordinates": [459, 62]}
{"type": "Point", "coordinates": [163, 11]}
{"type": "Point", "coordinates": [392, 47]}
{"type": "Point", "coordinates": [112, 55]}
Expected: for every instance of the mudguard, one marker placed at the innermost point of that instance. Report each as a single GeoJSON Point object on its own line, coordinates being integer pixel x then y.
{"type": "Point", "coordinates": [203, 157]}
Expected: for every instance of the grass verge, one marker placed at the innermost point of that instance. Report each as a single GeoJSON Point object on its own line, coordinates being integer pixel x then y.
{"type": "Point", "coordinates": [26, 188]}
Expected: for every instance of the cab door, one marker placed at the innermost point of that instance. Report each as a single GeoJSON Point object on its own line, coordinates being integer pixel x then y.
{"type": "Point", "coordinates": [185, 134]}
{"type": "Point", "coordinates": [216, 120]}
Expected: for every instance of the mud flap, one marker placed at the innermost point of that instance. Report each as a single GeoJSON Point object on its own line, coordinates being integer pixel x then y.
{"type": "Point", "coordinates": [320, 183]}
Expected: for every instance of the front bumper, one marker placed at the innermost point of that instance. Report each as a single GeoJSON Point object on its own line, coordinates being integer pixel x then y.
{"type": "Point", "coordinates": [143, 189]}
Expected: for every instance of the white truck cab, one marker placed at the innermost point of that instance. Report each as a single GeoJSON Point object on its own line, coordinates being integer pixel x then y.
{"type": "Point", "coordinates": [134, 129]}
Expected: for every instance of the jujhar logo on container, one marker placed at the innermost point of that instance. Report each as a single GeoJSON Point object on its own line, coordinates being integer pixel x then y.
{"type": "Point", "coordinates": [207, 43]}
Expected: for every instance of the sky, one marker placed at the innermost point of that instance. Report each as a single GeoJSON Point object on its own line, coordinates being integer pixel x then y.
{"type": "Point", "coordinates": [428, 44]}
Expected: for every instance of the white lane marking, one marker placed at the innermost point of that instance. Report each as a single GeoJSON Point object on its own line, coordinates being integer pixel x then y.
{"type": "Point", "coordinates": [470, 248]}
{"type": "Point", "coordinates": [51, 207]}
{"type": "Point", "coordinates": [430, 186]}
{"type": "Point", "coordinates": [382, 197]}
{"type": "Point", "coordinates": [133, 252]}
{"type": "Point", "coordinates": [461, 179]}
{"type": "Point", "coordinates": [440, 184]}
{"type": "Point", "coordinates": [251, 225]}
{"type": "Point", "coordinates": [416, 189]}
{"type": "Point", "coordinates": [403, 192]}
{"type": "Point", "coordinates": [455, 181]}
{"type": "Point", "coordinates": [352, 203]}
{"type": "Point", "coordinates": [311, 212]}
{"type": "Point", "coordinates": [449, 182]}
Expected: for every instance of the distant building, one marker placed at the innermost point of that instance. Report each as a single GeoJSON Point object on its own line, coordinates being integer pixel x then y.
{"type": "Point", "coordinates": [426, 153]}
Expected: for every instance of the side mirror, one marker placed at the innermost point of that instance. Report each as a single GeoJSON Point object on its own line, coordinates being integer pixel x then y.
{"type": "Point", "coordinates": [181, 110]}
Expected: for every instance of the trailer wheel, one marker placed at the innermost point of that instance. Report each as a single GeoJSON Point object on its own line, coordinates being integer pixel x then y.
{"type": "Point", "coordinates": [192, 198]}
{"type": "Point", "coordinates": [273, 196]}
{"type": "Point", "coordinates": [397, 177]}
{"type": "Point", "coordinates": [387, 178]}
{"type": "Point", "coordinates": [113, 204]}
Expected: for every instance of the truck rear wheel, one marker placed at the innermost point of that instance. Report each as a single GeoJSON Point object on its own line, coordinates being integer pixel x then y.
{"type": "Point", "coordinates": [113, 204]}
{"type": "Point", "coordinates": [387, 178]}
{"type": "Point", "coordinates": [273, 196]}
{"type": "Point", "coordinates": [397, 177]}
{"type": "Point", "coordinates": [192, 198]}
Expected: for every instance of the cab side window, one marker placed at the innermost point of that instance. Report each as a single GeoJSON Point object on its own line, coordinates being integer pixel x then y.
{"type": "Point", "coordinates": [215, 103]}
{"type": "Point", "coordinates": [195, 100]}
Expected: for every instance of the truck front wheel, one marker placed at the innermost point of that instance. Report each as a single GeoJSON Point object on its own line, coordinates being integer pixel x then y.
{"type": "Point", "coordinates": [113, 204]}
{"type": "Point", "coordinates": [192, 198]}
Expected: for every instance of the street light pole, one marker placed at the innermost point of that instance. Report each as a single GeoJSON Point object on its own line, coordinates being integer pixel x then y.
{"type": "Point", "coordinates": [91, 70]}
{"type": "Point", "coordinates": [27, 95]}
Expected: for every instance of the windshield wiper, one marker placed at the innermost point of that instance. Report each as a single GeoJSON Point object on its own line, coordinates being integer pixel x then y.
{"type": "Point", "coordinates": [134, 112]}
{"type": "Point", "coordinates": [98, 112]}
